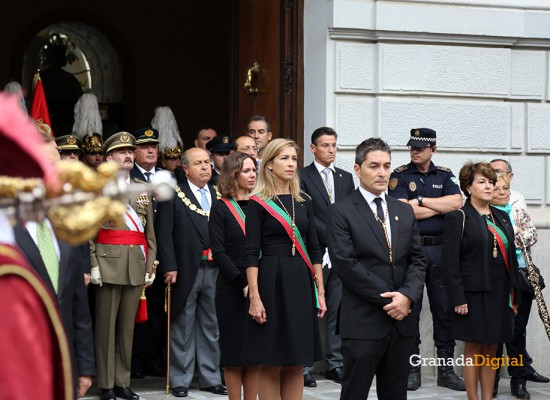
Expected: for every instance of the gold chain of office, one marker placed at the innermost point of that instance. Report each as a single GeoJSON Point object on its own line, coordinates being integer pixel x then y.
{"type": "Point", "coordinates": [192, 206]}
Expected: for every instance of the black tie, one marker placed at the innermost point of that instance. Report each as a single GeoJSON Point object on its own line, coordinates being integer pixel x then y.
{"type": "Point", "coordinates": [147, 176]}
{"type": "Point", "coordinates": [379, 209]}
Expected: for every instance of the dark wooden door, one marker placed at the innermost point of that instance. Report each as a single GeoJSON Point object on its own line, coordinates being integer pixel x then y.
{"type": "Point", "coordinates": [270, 37]}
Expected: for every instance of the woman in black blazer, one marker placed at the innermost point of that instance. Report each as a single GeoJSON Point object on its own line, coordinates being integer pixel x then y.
{"type": "Point", "coordinates": [480, 274]}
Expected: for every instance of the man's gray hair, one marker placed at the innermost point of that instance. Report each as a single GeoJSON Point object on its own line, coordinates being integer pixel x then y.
{"type": "Point", "coordinates": [508, 165]}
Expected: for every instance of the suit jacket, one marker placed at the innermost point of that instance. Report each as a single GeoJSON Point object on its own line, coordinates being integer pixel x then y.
{"type": "Point", "coordinates": [125, 264]}
{"type": "Point", "coordinates": [182, 236]}
{"type": "Point", "coordinates": [467, 253]}
{"type": "Point", "coordinates": [360, 256]}
{"type": "Point", "coordinates": [137, 174]}
{"type": "Point", "coordinates": [72, 297]}
{"type": "Point", "coordinates": [312, 183]}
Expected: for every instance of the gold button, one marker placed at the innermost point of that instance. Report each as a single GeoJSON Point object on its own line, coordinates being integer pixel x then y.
{"type": "Point", "coordinates": [131, 245]}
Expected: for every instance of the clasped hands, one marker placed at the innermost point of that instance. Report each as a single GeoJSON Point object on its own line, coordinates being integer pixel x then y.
{"type": "Point", "coordinates": [399, 307]}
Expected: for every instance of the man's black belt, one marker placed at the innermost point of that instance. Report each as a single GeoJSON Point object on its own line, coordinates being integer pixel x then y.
{"type": "Point", "coordinates": [431, 240]}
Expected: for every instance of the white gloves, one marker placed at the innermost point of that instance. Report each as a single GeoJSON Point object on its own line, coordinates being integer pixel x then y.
{"type": "Point", "coordinates": [149, 279]}
{"type": "Point", "coordinates": [95, 276]}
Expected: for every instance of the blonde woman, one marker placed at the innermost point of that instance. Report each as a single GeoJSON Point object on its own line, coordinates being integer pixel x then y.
{"type": "Point", "coordinates": [284, 276]}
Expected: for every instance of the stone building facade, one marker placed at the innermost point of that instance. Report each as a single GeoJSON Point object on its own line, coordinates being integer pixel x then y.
{"type": "Point", "coordinates": [476, 71]}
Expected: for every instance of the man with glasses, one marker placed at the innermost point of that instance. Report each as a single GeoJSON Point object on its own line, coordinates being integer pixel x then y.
{"type": "Point", "coordinates": [246, 144]}
{"type": "Point", "coordinates": [432, 192]}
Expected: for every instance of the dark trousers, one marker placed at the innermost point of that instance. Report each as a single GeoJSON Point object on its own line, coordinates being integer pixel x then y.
{"type": "Point", "coordinates": [333, 296]}
{"type": "Point", "coordinates": [150, 337]}
{"type": "Point", "coordinates": [439, 303]}
{"type": "Point", "coordinates": [387, 358]}
{"type": "Point", "coordinates": [517, 346]}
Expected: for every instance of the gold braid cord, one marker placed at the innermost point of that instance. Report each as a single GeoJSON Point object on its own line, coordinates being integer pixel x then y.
{"type": "Point", "coordinates": [533, 278]}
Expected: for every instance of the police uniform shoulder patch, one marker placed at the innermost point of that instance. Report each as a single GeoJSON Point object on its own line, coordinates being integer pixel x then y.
{"type": "Point", "coordinates": [393, 183]}
{"type": "Point", "coordinates": [444, 169]}
{"type": "Point", "coordinates": [401, 168]}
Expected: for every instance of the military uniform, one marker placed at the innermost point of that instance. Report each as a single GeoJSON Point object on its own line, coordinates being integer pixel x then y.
{"type": "Point", "coordinates": [123, 256]}
{"type": "Point", "coordinates": [408, 182]}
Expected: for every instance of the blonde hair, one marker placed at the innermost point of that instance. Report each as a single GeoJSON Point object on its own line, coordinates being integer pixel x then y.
{"type": "Point", "coordinates": [504, 177]}
{"type": "Point", "coordinates": [265, 184]}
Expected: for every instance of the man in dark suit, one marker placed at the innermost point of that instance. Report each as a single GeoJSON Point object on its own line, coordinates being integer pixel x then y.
{"type": "Point", "coordinates": [325, 184]}
{"type": "Point", "coordinates": [149, 336]}
{"type": "Point", "coordinates": [181, 227]}
{"type": "Point", "coordinates": [70, 292]}
{"type": "Point", "coordinates": [375, 249]}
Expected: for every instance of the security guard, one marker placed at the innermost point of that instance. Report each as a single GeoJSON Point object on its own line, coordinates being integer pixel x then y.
{"type": "Point", "coordinates": [432, 192]}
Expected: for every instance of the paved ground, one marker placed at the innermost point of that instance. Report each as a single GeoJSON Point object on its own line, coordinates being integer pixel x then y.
{"type": "Point", "coordinates": [154, 389]}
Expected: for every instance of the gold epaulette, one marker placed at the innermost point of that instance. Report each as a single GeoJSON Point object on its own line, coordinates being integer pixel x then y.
{"type": "Point", "coordinates": [444, 169]}
{"type": "Point", "coordinates": [401, 168]}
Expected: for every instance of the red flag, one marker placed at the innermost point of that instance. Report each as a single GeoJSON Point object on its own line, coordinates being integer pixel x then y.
{"type": "Point", "coordinates": [39, 107]}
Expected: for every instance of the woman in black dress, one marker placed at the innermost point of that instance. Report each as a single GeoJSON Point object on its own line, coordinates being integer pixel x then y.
{"type": "Point", "coordinates": [227, 239]}
{"type": "Point", "coordinates": [284, 276]}
{"type": "Point", "coordinates": [480, 276]}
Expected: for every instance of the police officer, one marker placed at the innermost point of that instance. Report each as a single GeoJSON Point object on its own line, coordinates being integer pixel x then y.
{"type": "Point", "coordinates": [432, 192]}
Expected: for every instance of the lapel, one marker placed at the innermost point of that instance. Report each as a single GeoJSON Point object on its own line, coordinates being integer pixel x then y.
{"type": "Point", "coordinates": [393, 216]}
{"type": "Point", "coordinates": [136, 173]}
{"type": "Point", "coordinates": [317, 181]}
{"type": "Point", "coordinates": [338, 184]}
{"type": "Point", "coordinates": [64, 273]}
{"type": "Point", "coordinates": [198, 220]}
{"type": "Point", "coordinates": [32, 253]}
{"type": "Point", "coordinates": [364, 209]}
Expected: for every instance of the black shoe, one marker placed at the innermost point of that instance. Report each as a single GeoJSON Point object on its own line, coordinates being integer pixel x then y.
{"type": "Point", "coordinates": [413, 382]}
{"type": "Point", "coordinates": [125, 393]}
{"type": "Point", "coordinates": [107, 394]}
{"type": "Point", "coordinates": [536, 377]}
{"type": "Point", "coordinates": [216, 389]}
{"type": "Point", "coordinates": [180, 391]}
{"type": "Point", "coordinates": [451, 380]}
{"type": "Point", "coordinates": [336, 375]}
{"type": "Point", "coordinates": [309, 380]}
{"type": "Point", "coordinates": [519, 390]}
{"type": "Point", "coordinates": [137, 375]}
{"type": "Point", "coordinates": [155, 370]}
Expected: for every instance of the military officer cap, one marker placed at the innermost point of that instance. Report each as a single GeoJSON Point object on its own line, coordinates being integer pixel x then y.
{"type": "Point", "coordinates": [220, 145]}
{"type": "Point", "coordinates": [146, 136]}
{"type": "Point", "coordinates": [422, 137]}
{"type": "Point", "coordinates": [119, 140]}
{"type": "Point", "coordinates": [67, 143]}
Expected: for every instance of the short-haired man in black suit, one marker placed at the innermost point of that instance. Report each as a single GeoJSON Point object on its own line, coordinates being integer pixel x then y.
{"type": "Point", "coordinates": [325, 184]}
{"type": "Point", "coordinates": [375, 249]}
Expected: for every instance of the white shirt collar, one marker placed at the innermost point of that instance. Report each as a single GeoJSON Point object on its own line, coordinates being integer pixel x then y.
{"type": "Point", "coordinates": [152, 171]}
{"type": "Point", "coordinates": [194, 188]}
{"type": "Point", "coordinates": [369, 197]}
{"type": "Point", "coordinates": [6, 230]}
{"type": "Point", "coordinates": [320, 167]}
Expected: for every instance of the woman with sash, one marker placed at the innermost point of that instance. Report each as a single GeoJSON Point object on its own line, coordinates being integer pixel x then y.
{"type": "Point", "coordinates": [284, 276]}
{"type": "Point", "coordinates": [227, 239]}
{"type": "Point", "coordinates": [525, 237]}
{"type": "Point", "coordinates": [481, 276]}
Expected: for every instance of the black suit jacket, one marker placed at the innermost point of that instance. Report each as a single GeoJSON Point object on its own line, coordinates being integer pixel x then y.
{"type": "Point", "coordinates": [312, 183]}
{"type": "Point", "coordinates": [360, 256]}
{"type": "Point", "coordinates": [136, 173]}
{"type": "Point", "coordinates": [72, 296]}
{"type": "Point", "coordinates": [467, 253]}
{"type": "Point", "coordinates": [182, 235]}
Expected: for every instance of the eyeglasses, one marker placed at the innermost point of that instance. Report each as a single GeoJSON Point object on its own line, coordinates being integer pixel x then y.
{"type": "Point", "coordinates": [248, 148]}
{"type": "Point", "coordinates": [503, 189]}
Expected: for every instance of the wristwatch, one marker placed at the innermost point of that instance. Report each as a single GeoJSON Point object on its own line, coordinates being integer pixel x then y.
{"type": "Point", "coordinates": [420, 198]}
